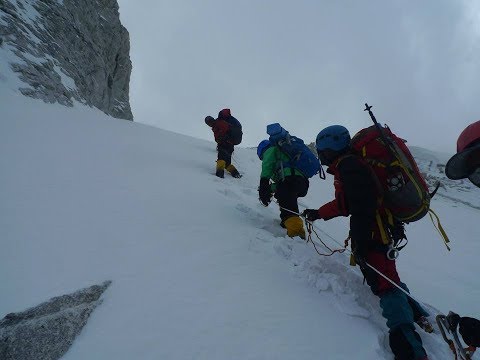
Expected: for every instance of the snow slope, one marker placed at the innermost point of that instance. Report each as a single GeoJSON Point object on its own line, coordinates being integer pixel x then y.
{"type": "Point", "coordinates": [200, 269]}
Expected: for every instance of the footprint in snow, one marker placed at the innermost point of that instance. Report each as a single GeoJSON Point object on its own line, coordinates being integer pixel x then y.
{"type": "Point", "coordinates": [347, 304]}
{"type": "Point", "coordinates": [229, 193]}
{"type": "Point", "coordinates": [247, 191]}
{"type": "Point", "coordinates": [284, 249]}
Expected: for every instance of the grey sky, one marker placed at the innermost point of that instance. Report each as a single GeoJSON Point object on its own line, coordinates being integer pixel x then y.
{"type": "Point", "coordinates": [307, 65]}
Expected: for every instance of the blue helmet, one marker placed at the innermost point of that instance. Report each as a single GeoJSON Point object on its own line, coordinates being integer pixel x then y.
{"type": "Point", "coordinates": [264, 145]}
{"type": "Point", "coordinates": [335, 137]}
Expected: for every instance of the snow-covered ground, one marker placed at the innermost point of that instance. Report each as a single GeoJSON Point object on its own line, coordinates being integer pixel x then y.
{"type": "Point", "coordinates": [200, 269]}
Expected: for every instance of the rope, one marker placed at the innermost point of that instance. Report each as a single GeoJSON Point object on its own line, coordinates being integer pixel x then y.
{"type": "Point", "coordinates": [310, 227]}
{"type": "Point", "coordinates": [345, 249]}
{"type": "Point", "coordinates": [309, 239]}
{"type": "Point", "coordinates": [468, 351]}
{"type": "Point", "coordinates": [234, 161]}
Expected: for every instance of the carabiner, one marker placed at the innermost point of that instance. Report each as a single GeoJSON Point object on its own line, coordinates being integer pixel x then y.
{"type": "Point", "coordinates": [392, 253]}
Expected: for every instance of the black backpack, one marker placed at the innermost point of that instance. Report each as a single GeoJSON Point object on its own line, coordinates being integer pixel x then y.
{"type": "Point", "coordinates": [235, 131]}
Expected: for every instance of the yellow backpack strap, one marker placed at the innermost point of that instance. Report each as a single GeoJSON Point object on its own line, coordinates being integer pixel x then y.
{"type": "Point", "coordinates": [381, 227]}
{"type": "Point", "coordinates": [389, 217]}
{"type": "Point", "coordinates": [439, 227]}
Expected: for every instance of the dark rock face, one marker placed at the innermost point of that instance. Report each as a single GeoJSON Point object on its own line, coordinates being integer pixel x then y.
{"type": "Point", "coordinates": [70, 49]}
{"type": "Point", "coordinates": [47, 331]}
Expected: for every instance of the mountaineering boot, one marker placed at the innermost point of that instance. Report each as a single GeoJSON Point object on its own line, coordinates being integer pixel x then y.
{"type": "Point", "coordinates": [424, 324]}
{"type": "Point", "coordinates": [294, 226]}
{"type": "Point", "coordinates": [220, 168]}
{"type": "Point", "coordinates": [233, 171]}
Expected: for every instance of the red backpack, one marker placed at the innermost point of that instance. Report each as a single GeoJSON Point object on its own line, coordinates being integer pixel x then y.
{"type": "Point", "coordinates": [405, 192]}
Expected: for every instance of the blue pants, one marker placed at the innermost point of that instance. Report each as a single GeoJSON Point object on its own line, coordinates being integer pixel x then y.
{"type": "Point", "coordinates": [399, 311]}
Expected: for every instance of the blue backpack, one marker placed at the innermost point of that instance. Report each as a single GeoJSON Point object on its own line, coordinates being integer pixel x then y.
{"type": "Point", "coordinates": [301, 157]}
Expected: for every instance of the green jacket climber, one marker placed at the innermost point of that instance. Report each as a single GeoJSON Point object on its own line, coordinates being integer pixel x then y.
{"type": "Point", "coordinates": [289, 184]}
{"type": "Point", "coordinates": [271, 169]}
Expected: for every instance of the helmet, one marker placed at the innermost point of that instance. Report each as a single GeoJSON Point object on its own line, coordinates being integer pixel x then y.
{"type": "Point", "coordinates": [224, 114]}
{"type": "Point", "coordinates": [264, 145]}
{"type": "Point", "coordinates": [209, 121]}
{"type": "Point", "coordinates": [468, 136]}
{"type": "Point", "coordinates": [460, 165]}
{"type": "Point", "coordinates": [335, 137]}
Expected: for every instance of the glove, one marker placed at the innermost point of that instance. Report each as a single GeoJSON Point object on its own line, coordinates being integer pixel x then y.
{"type": "Point", "coordinates": [264, 191]}
{"type": "Point", "coordinates": [311, 214]}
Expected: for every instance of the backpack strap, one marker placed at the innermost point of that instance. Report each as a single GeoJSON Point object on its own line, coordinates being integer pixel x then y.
{"type": "Point", "coordinates": [285, 164]}
{"type": "Point", "coordinates": [425, 200]}
{"type": "Point", "coordinates": [369, 163]}
{"type": "Point", "coordinates": [384, 220]}
{"type": "Point", "coordinates": [341, 158]}
{"type": "Point", "coordinates": [439, 227]}
{"type": "Point", "coordinates": [280, 163]}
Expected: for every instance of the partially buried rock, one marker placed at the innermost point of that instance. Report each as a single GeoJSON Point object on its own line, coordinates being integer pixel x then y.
{"type": "Point", "coordinates": [47, 331]}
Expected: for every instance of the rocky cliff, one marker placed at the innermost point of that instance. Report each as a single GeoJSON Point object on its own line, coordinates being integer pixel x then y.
{"type": "Point", "coordinates": [69, 50]}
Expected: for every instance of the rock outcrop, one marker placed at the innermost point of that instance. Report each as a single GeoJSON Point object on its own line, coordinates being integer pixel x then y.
{"type": "Point", "coordinates": [47, 331]}
{"type": "Point", "coordinates": [70, 50]}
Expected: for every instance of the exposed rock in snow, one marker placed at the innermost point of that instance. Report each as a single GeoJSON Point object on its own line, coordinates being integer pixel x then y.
{"type": "Point", "coordinates": [48, 330]}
